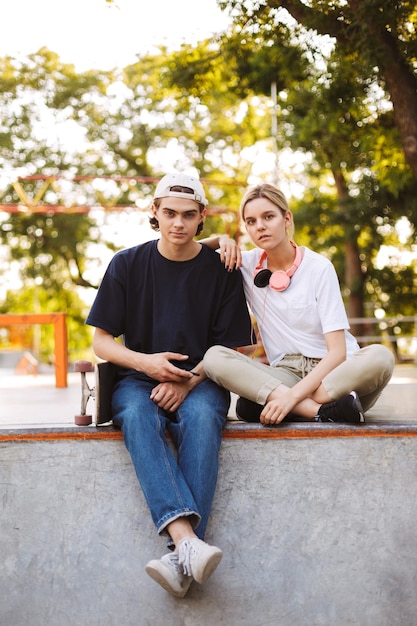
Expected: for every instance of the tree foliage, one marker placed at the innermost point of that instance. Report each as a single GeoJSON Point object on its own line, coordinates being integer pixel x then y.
{"type": "Point", "coordinates": [337, 110]}
{"type": "Point", "coordinates": [378, 36]}
{"type": "Point", "coordinates": [57, 122]}
{"type": "Point", "coordinates": [207, 107]}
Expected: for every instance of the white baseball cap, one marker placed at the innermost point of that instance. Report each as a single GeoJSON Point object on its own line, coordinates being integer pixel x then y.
{"type": "Point", "coordinates": [163, 189]}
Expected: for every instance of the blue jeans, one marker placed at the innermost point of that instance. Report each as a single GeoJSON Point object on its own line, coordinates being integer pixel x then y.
{"type": "Point", "coordinates": [180, 484]}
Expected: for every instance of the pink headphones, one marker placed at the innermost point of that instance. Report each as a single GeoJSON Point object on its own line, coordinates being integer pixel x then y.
{"type": "Point", "coordinates": [280, 279]}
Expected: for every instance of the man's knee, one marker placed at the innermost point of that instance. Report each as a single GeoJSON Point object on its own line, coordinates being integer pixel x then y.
{"type": "Point", "coordinates": [123, 417]}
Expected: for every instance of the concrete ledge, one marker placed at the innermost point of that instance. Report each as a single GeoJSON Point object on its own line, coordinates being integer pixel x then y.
{"type": "Point", "coordinates": [232, 430]}
{"type": "Point", "coordinates": [317, 526]}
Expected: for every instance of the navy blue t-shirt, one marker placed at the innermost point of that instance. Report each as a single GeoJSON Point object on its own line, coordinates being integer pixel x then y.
{"type": "Point", "coordinates": [160, 305]}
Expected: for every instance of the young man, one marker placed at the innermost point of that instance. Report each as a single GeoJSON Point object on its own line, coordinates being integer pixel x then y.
{"type": "Point", "coordinates": [171, 300]}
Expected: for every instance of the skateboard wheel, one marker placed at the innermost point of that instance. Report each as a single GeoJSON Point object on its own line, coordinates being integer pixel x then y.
{"type": "Point", "coordinates": [83, 420]}
{"type": "Point", "coordinates": [83, 366]}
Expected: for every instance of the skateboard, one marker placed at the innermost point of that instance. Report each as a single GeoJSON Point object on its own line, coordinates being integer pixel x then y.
{"type": "Point", "coordinates": [101, 392]}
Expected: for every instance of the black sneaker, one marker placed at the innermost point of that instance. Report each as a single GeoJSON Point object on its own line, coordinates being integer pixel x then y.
{"type": "Point", "coordinates": [248, 411]}
{"type": "Point", "coordinates": [346, 409]}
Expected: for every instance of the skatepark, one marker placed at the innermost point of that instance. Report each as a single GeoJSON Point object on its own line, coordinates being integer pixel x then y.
{"type": "Point", "coordinates": [316, 522]}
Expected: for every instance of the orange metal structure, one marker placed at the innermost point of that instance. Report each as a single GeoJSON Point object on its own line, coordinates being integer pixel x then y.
{"type": "Point", "coordinates": [58, 194]}
{"type": "Point", "coordinates": [59, 320]}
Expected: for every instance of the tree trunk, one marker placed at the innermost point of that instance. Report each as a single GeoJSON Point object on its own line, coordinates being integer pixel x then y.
{"type": "Point", "coordinates": [354, 278]}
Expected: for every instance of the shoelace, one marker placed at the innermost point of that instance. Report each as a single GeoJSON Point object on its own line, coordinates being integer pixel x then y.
{"type": "Point", "coordinates": [174, 561]}
{"type": "Point", "coordinates": [185, 552]}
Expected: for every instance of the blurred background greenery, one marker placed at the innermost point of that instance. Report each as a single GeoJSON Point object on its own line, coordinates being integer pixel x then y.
{"type": "Point", "coordinates": [318, 97]}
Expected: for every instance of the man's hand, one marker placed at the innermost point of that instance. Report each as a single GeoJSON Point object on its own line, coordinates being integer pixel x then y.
{"type": "Point", "coordinates": [159, 367]}
{"type": "Point", "coordinates": [169, 396]}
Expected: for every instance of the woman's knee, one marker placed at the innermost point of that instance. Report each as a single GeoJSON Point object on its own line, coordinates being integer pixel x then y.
{"type": "Point", "coordinates": [214, 358]}
{"type": "Point", "coordinates": [382, 359]}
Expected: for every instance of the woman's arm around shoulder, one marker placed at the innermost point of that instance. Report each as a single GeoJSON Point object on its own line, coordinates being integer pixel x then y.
{"type": "Point", "coordinates": [230, 253]}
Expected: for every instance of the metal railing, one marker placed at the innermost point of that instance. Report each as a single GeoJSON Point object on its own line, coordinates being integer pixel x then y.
{"type": "Point", "coordinates": [384, 324]}
{"type": "Point", "coordinates": [390, 330]}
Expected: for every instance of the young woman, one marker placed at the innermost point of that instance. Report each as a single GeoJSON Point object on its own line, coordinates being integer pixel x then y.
{"type": "Point", "coordinates": [316, 369]}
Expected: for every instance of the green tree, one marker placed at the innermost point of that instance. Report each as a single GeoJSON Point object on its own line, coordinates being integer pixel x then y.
{"type": "Point", "coordinates": [50, 250]}
{"type": "Point", "coordinates": [35, 99]}
{"type": "Point", "coordinates": [334, 121]}
{"type": "Point", "coordinates": [120, 124]}
{"type": "Point", "coordinates": [156, 120]}
{"type": "Point", "coordinates": [329, 110]}
{"type": "Point", "coordinates": [379, 36]}
{"type": "Point", "coordinates": [208, 105]}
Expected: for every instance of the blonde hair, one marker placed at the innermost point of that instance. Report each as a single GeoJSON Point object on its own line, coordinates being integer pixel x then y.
{"type": "Point", "coordinates": [271, 193]}
{"type": "Point", "coordinates": [268, 191]}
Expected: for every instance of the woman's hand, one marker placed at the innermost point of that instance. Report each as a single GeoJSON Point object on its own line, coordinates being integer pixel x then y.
{"type": "Point", "coordinates": [230, 253]}
{"type": "Point", "coordinates": [277, 409]}
{"type": "Point", "coordinates": [280, 403]}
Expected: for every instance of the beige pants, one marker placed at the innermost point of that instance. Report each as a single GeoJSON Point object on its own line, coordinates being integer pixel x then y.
{"type": "Point", "coordinates": [367, 372]}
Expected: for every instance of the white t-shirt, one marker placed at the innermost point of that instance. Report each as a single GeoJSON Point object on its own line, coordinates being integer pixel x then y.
{"type": "Point", "coordinates": [294, 321]}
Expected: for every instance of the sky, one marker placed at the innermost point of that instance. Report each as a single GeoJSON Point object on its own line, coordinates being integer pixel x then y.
{"type": "Point", "coordinates": [93, 34]}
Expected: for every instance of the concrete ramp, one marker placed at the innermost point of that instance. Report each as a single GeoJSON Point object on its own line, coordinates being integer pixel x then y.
{"type": "Point", "coordinates": [317, 525]}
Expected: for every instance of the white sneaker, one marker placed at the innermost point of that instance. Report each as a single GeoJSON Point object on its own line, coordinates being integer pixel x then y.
{"type": "Point", "coordinates": [168, 573]}
{"type": "Point", "coordinates": [198, 559]}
